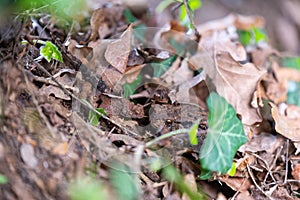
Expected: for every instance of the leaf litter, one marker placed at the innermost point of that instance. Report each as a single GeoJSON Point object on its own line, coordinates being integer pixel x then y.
{"type": "Point", "coordinates": [166, 91]}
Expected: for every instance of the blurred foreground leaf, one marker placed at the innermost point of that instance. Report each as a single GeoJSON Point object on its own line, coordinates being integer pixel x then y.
{"type": "Point", "coordinates": [86, 188]}
{"type": "Point", "coordinates": [3, 179]}
{"type": "Point", "coordinates": [123, 181]}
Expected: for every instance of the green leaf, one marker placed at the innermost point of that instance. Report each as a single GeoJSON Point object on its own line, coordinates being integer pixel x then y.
{"type": "Point", "coordinates": [293, 94]}
{"type": "Point", "coordinates": [130, 18]}
{"type": "Point", "coordinates": [49, 51]}
{"type": "Point", "coordinates": [162, 67]}
{"type": "Point", "coordinates": [129, 88]}
{"type": "Point", "coordinates": [194, 4]}
{"type": "Point", "coordinates": [182, 14]}
{"type": "Point", "coordinates": [193, 133]}
{"type": "Point", "coordinates": [86, 188]}
{"type": "Point", "coordinates": [232, 170]}
{"type": "Point", "coordinates": [224, 136]}
{"type": "Point", "coordinates": [94, 117]}
{"type": "Point", "coordinates": [252, 36]}
{"type": "Point", "coordinates": [205, 174]}
{"type": "Point", "coordinates": [291, 62]}
{"type": "Point", "coordinates": [3, 179]}
{"type": "Point", "coordinates": [123, 182]}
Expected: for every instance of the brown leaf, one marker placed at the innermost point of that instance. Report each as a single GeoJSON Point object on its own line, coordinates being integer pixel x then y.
{"type": "Point", "coordinates": [239, 21]}
{"type": "Point", "coordinates": [289, 128]}
{"type": "Point", "coordinates": [104, 18]}
{"type": "Point", "coordinates": [61, 149]}
{"type": "Point", "coordinates": [132, 72]}
{"type": "Point", "coordinates": [235, 82]}
{"type": "Point", "coordinates": [66, 81]}
{"type": "Point", "coordinates": [80, 52]}
{"type": "Point", "coordinates": [118, 51]}
{"type": "Point", "coordinates": [237, 183]}
{"type": "Point", "coordinates": [296, 172]}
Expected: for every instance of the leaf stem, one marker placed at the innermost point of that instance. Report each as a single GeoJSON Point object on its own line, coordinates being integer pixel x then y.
{"type": "Point", "coordinates": [196, 32]}
{"type": "Point", "coordinates": [167, 135]}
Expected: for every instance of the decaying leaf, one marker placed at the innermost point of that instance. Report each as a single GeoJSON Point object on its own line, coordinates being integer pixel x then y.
{"type": "Point", "coordinates": [118, 51]}
{"type": "Point", "coordinates": [222, 59]}
{"type": "Point", "coordinates": [236, 83]}
{"type": "Point", "coordinates": [61, 149]}
{"type": "Point", "coordinates": [289, 128]}
{"type": "Point", "coordinates": [103, 20]}
{"type": "Point", "coordinates": [238, 21]}
{"type": "Point", "coordinates": [66, 80]}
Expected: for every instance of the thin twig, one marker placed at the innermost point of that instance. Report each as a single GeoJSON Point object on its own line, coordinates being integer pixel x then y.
{"type": "Point", "coordinates": [267, 167]}
{"type": "Point", "coordinates": [167, 135]}
{"type": "Point", "coordinates": [85, 103]}
{"type": "Point", "coordinates": [252, 178]}
{"type": "Point", "coordinates": [286, 161]}
{"type": "Point", "coordinates": [196, 32]}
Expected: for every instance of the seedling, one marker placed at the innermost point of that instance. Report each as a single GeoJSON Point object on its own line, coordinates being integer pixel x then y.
{"type": "Point", "coordinates": [48, 50]}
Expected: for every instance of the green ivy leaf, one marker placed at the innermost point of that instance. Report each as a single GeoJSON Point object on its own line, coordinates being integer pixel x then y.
{"type": "Point", "coordinates": [291, 62]}
{"type": "Point", "coordinates": [94, 117]}
{"type": "Point", "coordinates": [193, 133]}
{"type": "Point", "coordinates": [129, 88]}
{"type": "Point", "coordinates": [252, 36]}
{"type": "Point", "coordinates": [224, 136]}
{"type": "Point", "coordinates": [50, 50]}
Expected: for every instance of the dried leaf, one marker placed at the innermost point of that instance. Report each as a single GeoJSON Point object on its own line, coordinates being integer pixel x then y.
{"type": "Point", "coordinates": [61, 149]}
{"type": "Point", "coordinates": [118, 51]}
{"type": "Point", "coordinates": [65, 80]}
{"type": "Point", "coordinates": [289, 128]}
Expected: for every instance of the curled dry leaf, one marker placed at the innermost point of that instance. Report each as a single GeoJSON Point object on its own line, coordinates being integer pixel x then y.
{"type": "Point", "coordinates": [117, 52]}
{"type": "Point", "coordinates": [221, 59]}
{"type": "Point", "coordinates": [289, 128]}
{"type": "Point", "coordinates": [103, 20]}
{"type": "Point", "coordinates": [66, 80]}
{"type": "Point", "coordinates": [80, 52]}
{"type": "Point", "coordinates": [239, 21]}
{"type": "Point", "coordinates": [235, 82]}
{"type": "Point", "coordinates": [237, 183]}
